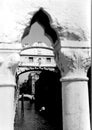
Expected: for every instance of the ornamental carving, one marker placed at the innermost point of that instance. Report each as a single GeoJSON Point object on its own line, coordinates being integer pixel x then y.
{"type": "Point", "coordinates": [12, 62]}
{"type": "Point", "coordinates": [8, 65]}
{"type": "Point", "coordinates": [73, 61]}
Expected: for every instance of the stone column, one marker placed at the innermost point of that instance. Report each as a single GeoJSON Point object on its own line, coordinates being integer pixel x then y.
{"type": "Point", "coordinates": [33, 84]}
{"type": "Point", "coordinates": [73, 60]}
{"type": "Point", "coordinates": [9, 59]}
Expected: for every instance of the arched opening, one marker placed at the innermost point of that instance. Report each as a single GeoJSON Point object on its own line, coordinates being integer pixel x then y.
{"type": "Point", "coordinates": [47, 86]}
{"type": "Point", "coordinates": [38, 30]}
{"type": "Point", "coordinates": [44, 19]}
{"type": "Point", "coordinates": [47, 95]}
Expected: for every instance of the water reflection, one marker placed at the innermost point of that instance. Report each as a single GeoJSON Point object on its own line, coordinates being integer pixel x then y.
{"type": "Point", "coordinates": [30, 119]}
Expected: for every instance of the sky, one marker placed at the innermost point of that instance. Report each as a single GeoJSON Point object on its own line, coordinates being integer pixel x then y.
{"type": "Point", "coordinates": [36, 34]}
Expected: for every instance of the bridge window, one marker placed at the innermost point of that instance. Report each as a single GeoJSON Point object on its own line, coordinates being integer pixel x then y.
{"type": "Point", "coordinates": [31, 59]}
{"type": "Point", "coordinates": [48, 60]}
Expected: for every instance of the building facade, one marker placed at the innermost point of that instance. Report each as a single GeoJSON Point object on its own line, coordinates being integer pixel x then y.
{"type": "Point", "coordinates": [39, 55]}
{"type": "Point", "coordinates": [36, 58]}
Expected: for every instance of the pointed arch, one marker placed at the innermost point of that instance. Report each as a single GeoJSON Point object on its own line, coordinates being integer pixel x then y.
{"type": "Point", "coordinates": [45, 20]}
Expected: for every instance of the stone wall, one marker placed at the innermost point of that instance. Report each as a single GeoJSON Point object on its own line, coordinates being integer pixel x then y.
{"type": "Point", "coordinates": [70, 18]}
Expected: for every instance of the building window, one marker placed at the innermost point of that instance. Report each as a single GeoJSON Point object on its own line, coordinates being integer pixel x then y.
{"type": "Point", "coordinates": [48, 60]}
{"type": "Point", "coordinates": [31, 59]}
{"type": "Point", "coordinates": [39, 61]}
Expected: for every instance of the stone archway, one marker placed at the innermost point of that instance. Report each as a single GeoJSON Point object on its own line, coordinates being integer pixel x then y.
{"type": "Point", "coordinates": [52, 34]}
{"type": "Point", "coordinates": [74, 48]}
{"type": "Point", "coordinates": [71, 62]}
{"type": "Point", "coordinates": [44, 19]}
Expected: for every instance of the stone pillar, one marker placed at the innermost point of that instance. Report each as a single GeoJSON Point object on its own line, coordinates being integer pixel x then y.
{"type": "Point", "coordinates": [33, 84]}
{"type": "Point", "coordinates": [9, 59]}
{"type": "Point", "coordinates": [73, 60]}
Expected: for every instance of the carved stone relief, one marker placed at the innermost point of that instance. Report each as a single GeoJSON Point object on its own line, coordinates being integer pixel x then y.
{"type": "Point", "coordinates": [73, 61]}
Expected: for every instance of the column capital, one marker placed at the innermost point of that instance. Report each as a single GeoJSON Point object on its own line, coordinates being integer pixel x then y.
{"type": "Point", "coordinates": [73, 59]}
{"type": "Point", "coordinates": [9, 59]}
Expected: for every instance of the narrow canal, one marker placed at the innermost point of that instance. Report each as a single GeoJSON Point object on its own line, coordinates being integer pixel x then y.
{"type": "Point", "coordinates": [31, 119]}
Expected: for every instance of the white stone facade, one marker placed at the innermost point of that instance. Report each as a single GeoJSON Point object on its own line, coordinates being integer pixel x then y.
{"type": "Point", "coordinates": [72, 16]}
{"type": "Point", "coordinates": [38, 55]}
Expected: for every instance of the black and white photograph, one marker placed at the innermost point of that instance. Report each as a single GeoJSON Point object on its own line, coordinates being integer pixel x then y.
{"type": "Point", "coordinates": [45, 65]}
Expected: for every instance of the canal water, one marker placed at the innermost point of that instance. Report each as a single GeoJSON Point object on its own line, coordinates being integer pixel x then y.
{"type": "Point", "coordinates": [30, 119]}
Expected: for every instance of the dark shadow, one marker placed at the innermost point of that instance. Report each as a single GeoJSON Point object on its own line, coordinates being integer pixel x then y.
{"type": "Point", "coordinates": [89, 87]}
{"type": "Point", "coordinates": [48, 95]}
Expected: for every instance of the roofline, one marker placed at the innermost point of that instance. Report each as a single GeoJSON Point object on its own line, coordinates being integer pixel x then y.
{"type": "Point", "coordinates": [32, 47]}
{"type": "Point", "coordinates": [36, 66]}
{"type": "Point", "coordinates": [37, 55]}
